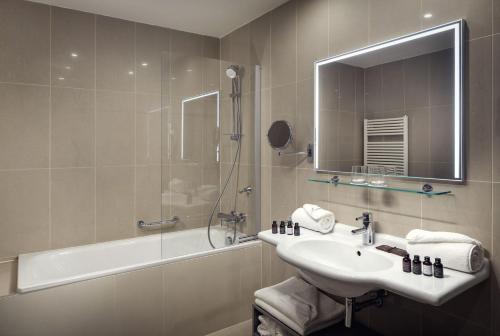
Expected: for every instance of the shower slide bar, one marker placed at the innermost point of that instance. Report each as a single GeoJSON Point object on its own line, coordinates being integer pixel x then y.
{"type": "Point", "coordinates": [158, 224]}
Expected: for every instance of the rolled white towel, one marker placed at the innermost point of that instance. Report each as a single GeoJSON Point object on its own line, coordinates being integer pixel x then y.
{"type": "Point", "coordinates": [464, 257]}
{"type": "Point", "coordinates": [418, 236]}
{"type": "Point", "coordinates": [316, 212]}
{"type": "Point", "coordinates": [324, 225]}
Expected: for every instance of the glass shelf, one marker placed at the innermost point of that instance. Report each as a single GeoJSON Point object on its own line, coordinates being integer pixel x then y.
{"type": "Point", "coordinates": [413, 191]}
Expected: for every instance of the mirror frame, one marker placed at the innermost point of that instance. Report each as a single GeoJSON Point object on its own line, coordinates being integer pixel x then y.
{"type": "Point", "coordinates": [290, 138]}
{"type": "Point", "coordinates": [200, 96]}
{"type": "Point", "coordinates": [458, 28]}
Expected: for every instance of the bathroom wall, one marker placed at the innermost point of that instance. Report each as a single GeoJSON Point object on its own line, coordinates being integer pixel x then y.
{"type": "Point", "coordinates": [287, 40]}
{"type": "Point", "coordinates": [80, 130]}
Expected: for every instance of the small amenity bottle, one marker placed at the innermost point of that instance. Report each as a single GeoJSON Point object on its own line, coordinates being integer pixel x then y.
{"type": "Point", "coordinates": [296, 230]}
{"type": "Point", "coordinates": [427, 266]}
{"type": "Point", "coordinates": [282, 227]}
{"type": "Point", "coordinates": [438, 268]}
{"type": "Point", "coordinates": [407, 264]}
{"type": "Point", "coordinates": [417, 265]}
{"type": "Point", "coordinates": [274, 227]}
{"type": "Point", "coordinates": [289, 228]}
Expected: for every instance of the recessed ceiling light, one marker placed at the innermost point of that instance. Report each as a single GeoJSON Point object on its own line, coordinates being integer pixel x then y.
{"type": "Point", "coordinates": [189, 70]}
{"type": "Point", "coordinates": [144, 64]}
{"type": "Point", "coordinates": [427, 15]}
{"type": "Point", "coordinates": [173, 78]}
{"type": "Point", "coordinates": [67, 67]}
{"type": "Point", "coordinates": [61, 78]}
{"type": "Point", "coordinates": [130, 72]}
{"type": "Point", "coordinates": [74, 55]}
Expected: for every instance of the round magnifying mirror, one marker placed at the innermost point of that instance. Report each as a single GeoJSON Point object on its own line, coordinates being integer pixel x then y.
{"type": "Point", "coordinates": [280, 135]}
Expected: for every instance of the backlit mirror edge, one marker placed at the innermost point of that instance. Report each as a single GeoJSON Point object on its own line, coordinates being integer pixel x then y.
{"type": "Point", "coordinates": [458, 27]}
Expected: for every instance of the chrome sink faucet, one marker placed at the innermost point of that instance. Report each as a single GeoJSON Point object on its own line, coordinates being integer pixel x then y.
{"type": "Point", "coordinates": [367, 229]}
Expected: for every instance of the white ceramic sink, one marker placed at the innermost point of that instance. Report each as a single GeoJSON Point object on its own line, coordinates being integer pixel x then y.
{"type": "Point", "coordinates": [334, 266]}
{"type": "Point", "coordinates": [340, 264]}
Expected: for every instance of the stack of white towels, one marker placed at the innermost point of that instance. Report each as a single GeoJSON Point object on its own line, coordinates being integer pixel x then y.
{"type": "Point", "coordinates": [315, 218]}
{"type": "Point", "coordinates": [457, 251]}
{"type": "Point", "coordinates": [299, 305]}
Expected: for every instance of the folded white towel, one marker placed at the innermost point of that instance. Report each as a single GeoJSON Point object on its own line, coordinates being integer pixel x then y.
{"type": "Point", "coordinates": [422, 236]}
{"type": "Point", "coordinates": [316, 212]}
{"type": "Point", "coordinates": [313, 327]}
{"type": "Point", "coordinates": [324, 225]}
{"type": "Point", "coordinates": [462, 257]}
{"type": "Point", "coordinates": [300, 302]}
{"type": "Point", "coordinates": [268, 327]}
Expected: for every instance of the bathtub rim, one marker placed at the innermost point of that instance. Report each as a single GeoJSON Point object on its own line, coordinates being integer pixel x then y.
{"type": "Point", "coordinates": [23, 288]}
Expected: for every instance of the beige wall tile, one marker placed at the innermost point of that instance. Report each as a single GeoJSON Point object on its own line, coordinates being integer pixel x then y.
{"type": "Point", "coordinates": [21, 41]}
{"type": "Point", "coordinates": [115, 123]}
{"type": "Point", "coordinates": [24, 204]}
{"type": "Point", "coordinates": [478, 119]}
{"type": "Point", "coordinates": [312, 35]}
{"type": "Point", "coordinates": [115, 203]}
{"type": "Point", "coordinates": [284, 107]}
{"type": "Point", "coordinates": [385, 25]}
{"type": "Point", "coordinates": [433, 323]}
{"type": "Point", "coordinates": [349, 25]}
{"type": "Point", "coordinates": [72, 128]}
{"type": "Point", "coordinates": [467, 211]}
{"type": "Point", "coordinates": [191, 309]}
{"type": "Point", "coordinates": [114, 54]}
{"type": "Point", "coordinates": [148, 123]}
{"type": "Point", "coordinates": [73, 33]}
{"type": "Point", "coordinates": [148, 193]}
{"type": "Point", "coordinates": [496, 211]}
{"type": "Point", "coordinates": [283, 192]}
{"type": "Point", "coordinates": [496, 108]}
{"type": "Point", "coordinates": [139, 304]}
{"type": "Point", "coordinates": [83, 308]}
{"type": "Point", "coordinates": [477, 14]}
{"type": "Point", "coordinates": [260, 40]}
{"type": "Point", "coordinates": [495, 281]}
{"type": "Point", "coordinates": [24, 130]}
{"type": "Point", "coordinates": [310, 192]}
{"type": "Point", "coordinates": [8, 277]}
{"type": "Point", "coordinates": [284, 44]}
{"type": "Point", "coordinates": [72, 207]}
{"type": "Point", "coordinates": [150, 43]}
{"type": "Point", "coordinates": [496, 16]}
{"type": "Point", "coordinates": [240, 329]}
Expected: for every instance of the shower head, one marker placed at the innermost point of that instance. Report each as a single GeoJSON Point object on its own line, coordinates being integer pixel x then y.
{"type": "Point", "coordinates": [232, 71]}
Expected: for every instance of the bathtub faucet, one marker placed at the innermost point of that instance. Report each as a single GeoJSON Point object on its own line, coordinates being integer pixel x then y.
{"type": "Point", "coordinates": [232, 217]}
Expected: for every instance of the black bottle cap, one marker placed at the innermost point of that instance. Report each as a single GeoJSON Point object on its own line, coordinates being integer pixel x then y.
{"type": "Point", "coordinates": [407, 255]}
{"type": "Point", "coordinates": [437, 260]}
{"type": "Point", "coordinates": [290, 221]}
{"type": "Point", "coordinates": [274, 222]}
{"type": "Point", "coordinates": [427, 258]}
{"type": "Point", "coordinates": [282, 222]}
{"type": "Point", "coordinates": [416, 258]}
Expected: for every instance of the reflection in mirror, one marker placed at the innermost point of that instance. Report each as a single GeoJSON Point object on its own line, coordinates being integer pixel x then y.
{"type": "Point", "coordinates": [200, 128]}
{"type": "Point", "coordinates": [396, 104]}
{"type": "Point", "coordinates": [280, 135]}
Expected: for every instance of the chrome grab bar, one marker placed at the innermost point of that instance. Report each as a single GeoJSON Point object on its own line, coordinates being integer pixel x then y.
{"type": "Point", "coordinates": [158, 224]}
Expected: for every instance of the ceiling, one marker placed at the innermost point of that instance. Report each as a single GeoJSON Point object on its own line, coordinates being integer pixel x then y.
{"type": "Point", "coordinates": [207, 17]}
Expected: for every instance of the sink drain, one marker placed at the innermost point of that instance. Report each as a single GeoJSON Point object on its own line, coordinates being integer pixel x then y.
{"type": "Point", "coordinates": [358, 253]}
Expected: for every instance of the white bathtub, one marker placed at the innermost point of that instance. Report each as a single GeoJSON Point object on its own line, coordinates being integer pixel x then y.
{"type": "Point", "coordinates": [58, 267]}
